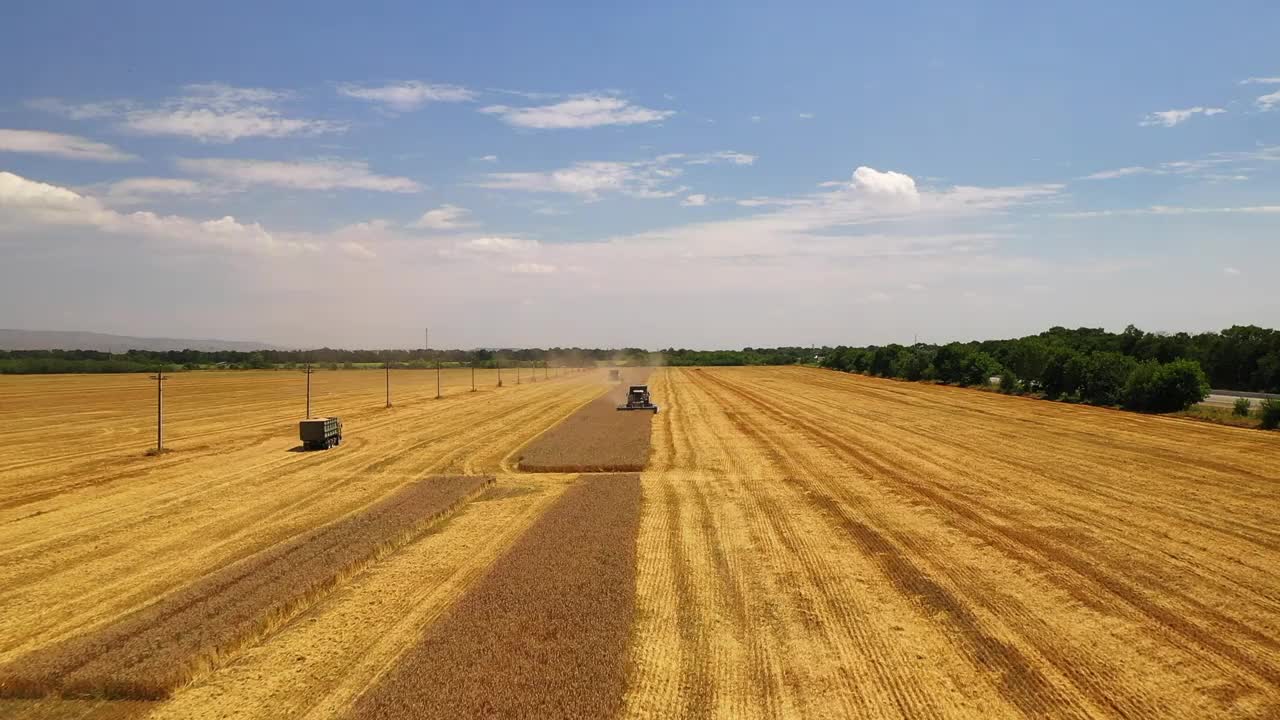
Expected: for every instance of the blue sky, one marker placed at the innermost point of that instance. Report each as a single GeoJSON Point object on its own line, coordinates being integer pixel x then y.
{"type": "Point", "coordinates": [650, 175]}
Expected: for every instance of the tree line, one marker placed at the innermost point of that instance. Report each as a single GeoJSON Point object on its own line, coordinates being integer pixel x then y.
{"type": "Point", "coordinates": [1086, 364]}
{"type": "Point", "coordinates": [1153, 372]}
{"type": "Point", "coordinates": [92, 361]}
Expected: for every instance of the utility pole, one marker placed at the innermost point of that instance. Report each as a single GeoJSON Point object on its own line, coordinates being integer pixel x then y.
{"type": "Point", "coordinates": [498, 361]}
{"type": "Point", "coordinates": [159, 378]}
{"type": "Point", "coordinates": [308, 372]}
{"type": "Point", "coordinates": [437, 378]}
{"type": "Point", "coordinates": [473, 374]}
{"type": "Point", "coordinates": [387, 365]}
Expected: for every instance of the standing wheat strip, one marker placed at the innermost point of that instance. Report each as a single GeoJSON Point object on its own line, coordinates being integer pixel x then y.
{"type": "Point", "coordinates": [544, 633]}
{"type": "Point", "coordinates": [149, 653]}
{"type": "Point", "coordinates": [596, 438]}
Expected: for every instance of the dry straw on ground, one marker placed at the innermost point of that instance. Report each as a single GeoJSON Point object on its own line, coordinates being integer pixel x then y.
{"type": "Point", "coordinates": [545, 633]}
{"type": "Point", "coordinates": [596, 438]}
{"type": "Point", "coordinates": [147, 654]}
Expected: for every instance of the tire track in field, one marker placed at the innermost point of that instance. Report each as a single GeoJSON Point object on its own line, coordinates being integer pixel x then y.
{"type": "Point", "coordinates": [910, 700]}
{"type": "Point", "coordinates": [985, 523]}
{"type": "Point", "coordinates": [1019, 445]}
{"type": "Point", "coordinates": [982, 513]}
{"type": "Point", "coordinates": [815, 615]}
{"type": "Point", "coordinates": [1134, 530]}
{"type": "Point", "coordinates": [1029, 690]}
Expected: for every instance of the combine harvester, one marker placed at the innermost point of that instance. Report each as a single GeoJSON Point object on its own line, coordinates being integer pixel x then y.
{"type": "Point", "coordinates": [638, 399]}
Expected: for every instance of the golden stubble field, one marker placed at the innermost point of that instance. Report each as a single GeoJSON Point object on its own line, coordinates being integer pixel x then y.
{"type": "Point", "coordinates": [808, 544]}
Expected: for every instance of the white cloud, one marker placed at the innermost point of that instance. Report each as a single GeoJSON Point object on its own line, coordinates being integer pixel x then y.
{"type": "Point", "coordinates": [39, 142]}
{"type": "Point", "coordinates": [314, 175]}
{"type": "Point", "coordinates": [730, 156]}
{"type": "Point", "coordinates": [139, 189]}
{"type": "Point", "coordinates": [652, 178]}
{"type": "Point", "coordinates": [499, 245]}
{"type": "Point", "coordinates": [1231, 271]}
{"type": "Point", "coordinates": [406, 96]}
{"type": "Point", "coordinates": [1269, 101]}
{"type": "Point", "coordinates": [1209, 167]}
{"type": "Point", "coordinates": [17, 191]}
{"type": "Point", "coordinates": [1118, 173]}
{"type": "Point", "coordinates": [583, 111]}
{"type": "Point", "coordinates": [641, 179]}
{"type": "Point", "coordinates": [24, 201]}
{"type": "Point", "coordinates": [211, 112]}
{"type": "Point", "coordinates": [756, 118]}
{"type": "Point", "coordinates": [533, 268]}
{"type": "Point", "coordinates": [1175, 210]}
{"type": "Point", "coordinates": [356, 250]}
{"type": "Point", "coordinates": [762, 201]}
{"type": "Point", "coordinates": [445, 217]}
{"type": "Point", "coordinates": [489, 158]}
{"type": "Point", "coordinates": [841, 246]}
{"type": "Point", "coordinates": [887, 184]}
{"type": "Point", "coordinates": [806, 116]}
{"type": "Point", "coordinates": [1261, 81]}
{"type": "Point", "coordinates": [695, 200]}
{"type": "Point", "coordinates": [1169, 118]}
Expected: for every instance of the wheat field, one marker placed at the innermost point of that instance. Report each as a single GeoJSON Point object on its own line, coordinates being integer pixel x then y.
{"type": "Point", "coordinates": [803, 544]}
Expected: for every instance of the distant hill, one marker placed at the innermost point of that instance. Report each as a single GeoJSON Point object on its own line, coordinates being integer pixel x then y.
{"type": "Point", "coordinates": [59, 340]}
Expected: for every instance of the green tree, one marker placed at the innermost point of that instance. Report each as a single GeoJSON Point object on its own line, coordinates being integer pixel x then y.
{"type": "Point", "coordinates": [1270, 413]}
{"type": "Point", "coordinates": [950, 362]}
{"type": "Point", "coordinates": [1165, 387]}
{"type": "Point", "coordinates": [1241, 407]}
{"type": "Point", "coordinates": [1009, 381]}
{"type": "Point", "coordinates": [1104, 377]}
{"type": "Point", "coordinates": [1028, 358]}
{"type": "Point", "coordinates": [979, 368]}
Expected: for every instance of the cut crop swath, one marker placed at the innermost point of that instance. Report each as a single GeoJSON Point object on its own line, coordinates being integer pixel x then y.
{"type": "Point", "coordinates": [147, 654]}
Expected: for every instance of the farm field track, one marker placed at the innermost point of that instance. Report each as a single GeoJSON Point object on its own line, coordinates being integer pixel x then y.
{"type": "Point", "coordinates": [597, 438]}
{"type": "Point", "coordinates": [827, 545]}
{"type": "Point", "coordinates": [807, 544]}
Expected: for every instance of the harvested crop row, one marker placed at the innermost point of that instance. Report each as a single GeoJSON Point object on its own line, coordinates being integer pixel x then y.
{"type": "Point", "coordinates": [149, 653]}
{"type": "Point", "coordinates": [545, 633]}
{"type": "Point", "coordinates": [596, 438]}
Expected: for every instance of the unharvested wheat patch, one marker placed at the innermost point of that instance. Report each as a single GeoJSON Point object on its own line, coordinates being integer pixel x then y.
{"type": "Point", "coordinates": [596, 438]}
{"type": "Point", "coordinates": [544, 633]}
